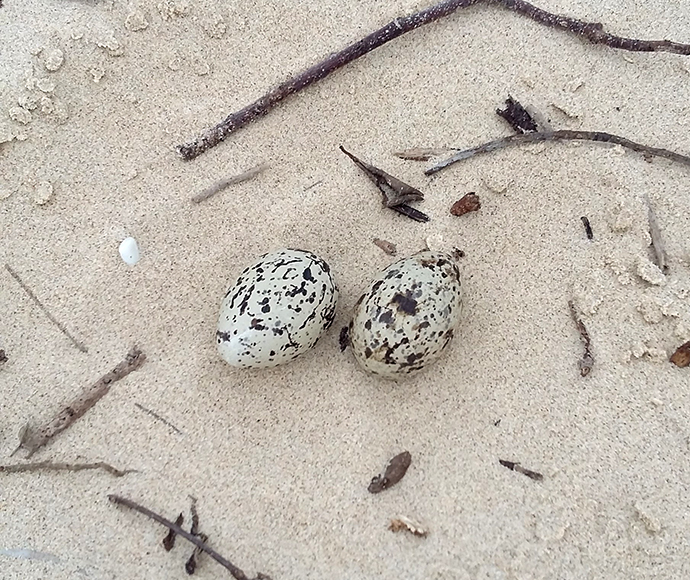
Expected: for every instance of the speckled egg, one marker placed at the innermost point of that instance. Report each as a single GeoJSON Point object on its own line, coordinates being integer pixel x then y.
{"type": "Point", "coordinates": [277, 309]}
{"type": "Point", "coordinates": [407, 317]}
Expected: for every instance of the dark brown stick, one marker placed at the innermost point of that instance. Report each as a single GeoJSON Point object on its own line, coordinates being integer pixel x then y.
{"type": "Point", "coordinates": [158, 418]}
{"type": "Point", "coordinates": [234, 570]}
{"type": "Point", "coordinates": [50, 466]}
{"type": "Point", "coordinates": [562, 135]}
{"type": "Point", "coordinates": [592, 31]}
{"type": "Point", "coordinates": [33, 439]}
{"type": "Point", "coordinates": [79, 345]}
{"type": "Point", "coordinates": [513, 466]}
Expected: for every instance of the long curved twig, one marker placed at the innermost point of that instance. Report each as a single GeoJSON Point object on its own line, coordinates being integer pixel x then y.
{"type": "Point", "coordinates": [592, 31]}
{"type": "Point", "coordinates": [562, 135]}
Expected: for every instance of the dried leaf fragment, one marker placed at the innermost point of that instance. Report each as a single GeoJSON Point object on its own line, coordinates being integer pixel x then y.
{"type": "Point", "coordinates": [169, 540]}
{"type": "Point", "coordinates": [406, 524]}
{"type": "Point", "coordinates": [395, 471]}
{"type": "Point", "coordinates": [517, 116]}
{"type": "Point", "coordinates": [467, 203]}
{"type": "Point", "coordinates": [387, 247]}
{"type": "Point", "coordinates": [681, 358]}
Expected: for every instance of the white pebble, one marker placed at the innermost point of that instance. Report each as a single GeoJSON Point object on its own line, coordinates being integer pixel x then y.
{"type": "Point", "coordinates": [129, 251]}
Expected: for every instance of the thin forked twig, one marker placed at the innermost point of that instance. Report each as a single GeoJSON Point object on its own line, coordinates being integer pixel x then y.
{"type": "Point", "coordinates": [592, 31]}
{"type": "Point", "coordinates": [561, 135]}
{"type": "Point", "coordinates": [79, 345]}
{"type": "Point", "coordinates": [587, 361]}
{"type": "Point", "coordinates": [234, 570]}
{"type": "Point", "coordinates": [33, 439]}
{"type": "Point", "coordinates": [54, 466]}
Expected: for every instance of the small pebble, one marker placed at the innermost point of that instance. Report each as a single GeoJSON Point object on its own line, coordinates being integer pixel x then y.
{"type": "Point", "coordinates": [129, 251]}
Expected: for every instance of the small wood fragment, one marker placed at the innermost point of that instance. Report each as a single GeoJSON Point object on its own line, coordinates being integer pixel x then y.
{"type": "Point", "coordinates": [467, 203]}
{"type": "Point", "coordinates": [535, 475]}
{"type": "Point", "coordinates": [681, 358]}
{"type": "Point", "coordinates": [588, 227]}
{"type": "Point", "coordinates": [158, 418]}
{"type": "Point", "coordinates": [658, 244]}
{"type": "Point", "coordinates": [223, 183]}
{"type": "Point", "coordinates": [422, 153]}
{"type": "Point", "coordinates": [169, 540]}
{"type": "Point", "coordinates": [32, 439]}
{"type": "Point", "coordinates": [587, 361]}
{"type": "Point", "coordinates": [517, 116]}
{"type": "Point", "coordinates": [388, 247]}
{"type": "Point", "coordinates": [396, 194]}
{"type": "Point", "coordinates": [55, 466]}
{"type": "Point", "coordinates": [395, 471]}
{"type": "Point", "coordinates": [3, 356]}
{"type": "Point", "coordinates": [403, 523]}
{"type": "Point", "coordinates": [61, 327]}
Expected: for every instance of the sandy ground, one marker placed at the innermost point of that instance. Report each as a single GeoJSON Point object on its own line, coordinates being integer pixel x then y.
{"type": "Point", "coordinates": [280, 460]}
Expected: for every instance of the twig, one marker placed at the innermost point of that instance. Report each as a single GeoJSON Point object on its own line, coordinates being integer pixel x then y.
{"type": "Point", "coordinates": [588, 227]}
{"type": "Point", "coordinates": [158, 417]}
{"type": "Point", "coordinates": [234, 570]}
{"type": "Point", "coordinates": [169, 540]}
{"type": "Point", "coordinates": [592, 31]}
{"type": "Point", "coordinates": [55, 321]}
{"type": "Point", "coordinates": [658, 244]}
{"type": "Point", "coordinates": [561, 135]}
{"type": "Point", "coordinates": [388, 247]}
{"type": "Point", "coordinates": [33, 439]}
{"type": "Point", "coordinates": [513, 466]}
{"type": "Point", "coordinates": [396, 193]}
{"type": "Point", "coordinates": [223, 183]}
{"type": "Point", "coordinates": [50, 466]}
{"type": "Point", "coordinates": [587, 361]}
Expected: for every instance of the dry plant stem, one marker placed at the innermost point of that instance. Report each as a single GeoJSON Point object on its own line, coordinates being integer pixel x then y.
{"type": "Point", "coordinates": [158, 418]}
{"type": "Point", "coordinates": [658, 244]}
{"type": "Point", "coordinates": [587, 361]}
{"type": "Point", "coordinates": [79, 345]}
{"type": "Point", "coordinates": [234, 570]}
{"type": "Point", "coordinates": [223, 183]}
{"type": "Point", "coordinates": [561, 135]}
{"type": "Point", "coordinates": [34, 439]}
{"type": "Point", "coordinates": [169, 540]}
{"type": "Point", "coordinates": [592, 31]}
{"type": "Point", "coordinates": [50, 466]}
{"type": "Point", "coordinates": [513, 466]}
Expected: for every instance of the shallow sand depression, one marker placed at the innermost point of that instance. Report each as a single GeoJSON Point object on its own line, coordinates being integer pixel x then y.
{"type": "Point", "coordinates": [94, 98]}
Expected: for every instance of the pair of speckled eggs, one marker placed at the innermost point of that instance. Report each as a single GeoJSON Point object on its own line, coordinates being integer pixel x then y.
{"type": "Point", "coordinates": [280, 306]}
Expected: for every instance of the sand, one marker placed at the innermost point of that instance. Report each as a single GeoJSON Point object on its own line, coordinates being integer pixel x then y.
{"type": "Point", "coordinates": [95, 95]}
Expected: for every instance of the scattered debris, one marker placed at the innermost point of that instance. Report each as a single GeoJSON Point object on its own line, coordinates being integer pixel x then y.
{"type": "Point", "coordinates": [657, 240]}
{"type": "Point", "coordinates": [387, 247]}
{"type": "Point", "coordinates": [169, 540]}
{"type": "Point", "coordinates": [422, 153]}
{"type": "Point", "coordinates": [395, 471]}
{"type": "Point", "coordinates": [344, 338]}
{"type": "Point", "coordinates": [402, 523]}
{"type": "Point", "coordinates": [592, 31]}
{"type": "Point", "coordinates": [80, 346]}
{"type": "Point", "coordinates": [467, 203]}
{"type": "Point", "coordinates": [535, 475]}
{"type": "Point", "coordinates": [588, 227]}
{"type": "Point", "coordinates": [681, 358]}
{"type": "Point", "coordinates": [517, 116]}
{"type": "Point", "coordinates": [32, 439]}
{"type": "Point", "coordinates": [236, 572]}
{"type": "Point", "coordinates": [561, 135]}
{"type": "Point", "coordinates": [396, 194]}
{"type": "Point", "coordinates": [223, 183]}
{"type": "Point", "coordinates": [158, 418]}
{"type": "Point", "coordinates": [587, 361]}
{"type": "Point", "coordinates": [51, 466]}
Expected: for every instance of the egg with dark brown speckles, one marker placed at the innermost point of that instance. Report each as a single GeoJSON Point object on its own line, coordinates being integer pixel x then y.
{"type": "Point", "coordinates": [407, 317]}
{"type": "Point", "coordinates": [276, 310]}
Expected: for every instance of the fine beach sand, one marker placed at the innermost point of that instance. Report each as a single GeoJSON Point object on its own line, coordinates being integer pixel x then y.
{"type": "Point", "coordinates": [280, 460]}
